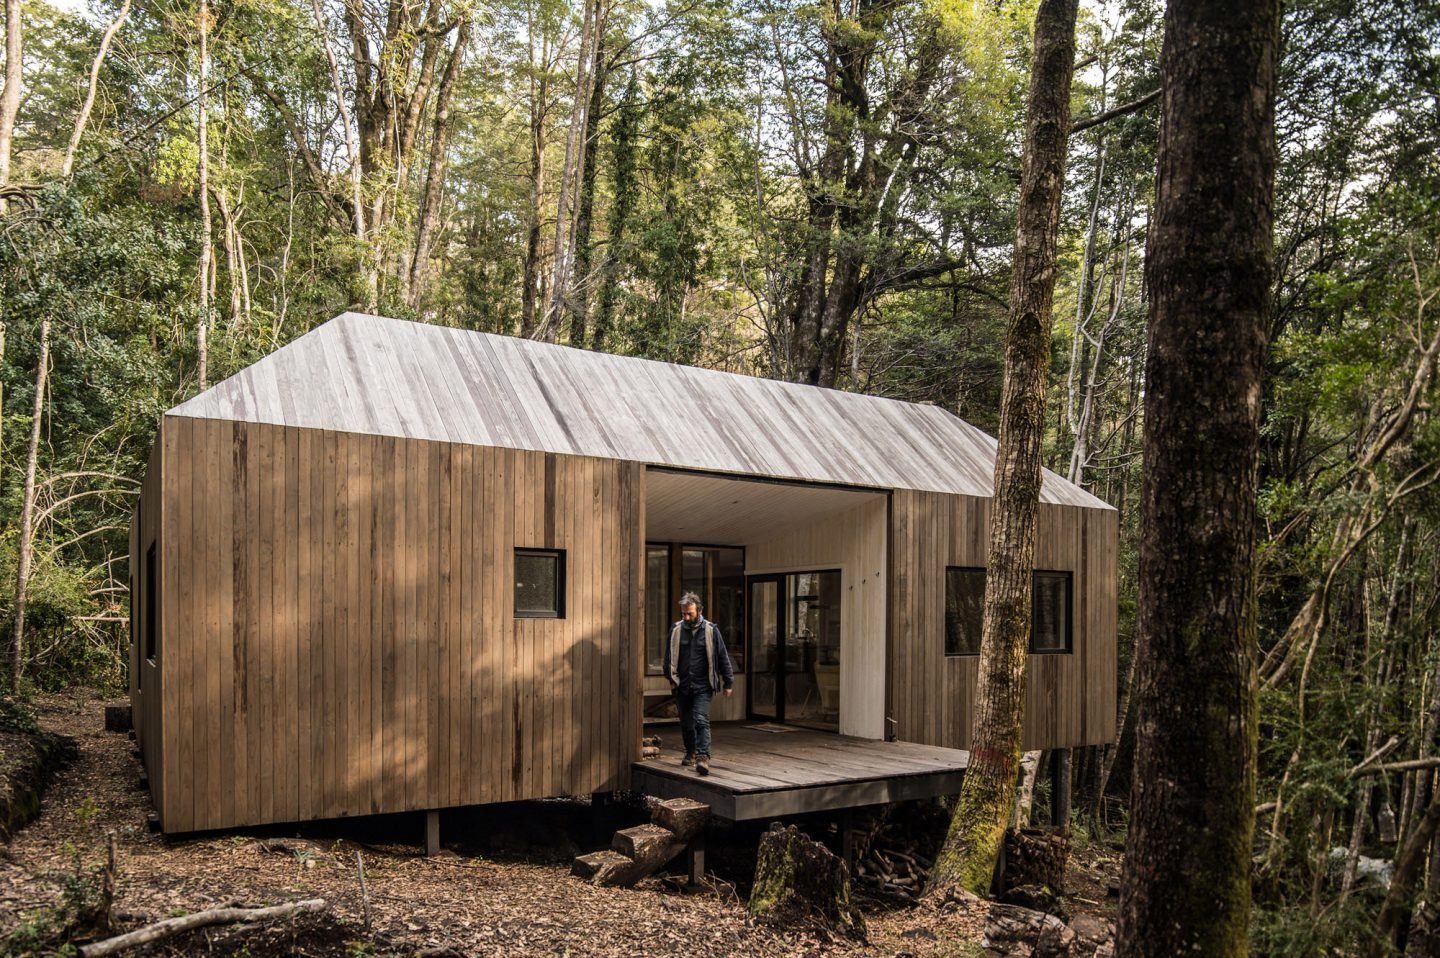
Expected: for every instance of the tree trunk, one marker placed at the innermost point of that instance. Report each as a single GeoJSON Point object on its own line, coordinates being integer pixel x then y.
{"type": "Point", "coordinates": [27, 513]}
{"type": "Point", "coordinates": [972, 845]}
{"type": "Point", "coordinates": [530, 286]}
{"type": "Point", "coordinates": [10, 95]}
{"type": "Point", "coordinates": [83, 116]}
{"type": "Point", "coordinates": [369, 274]}
{"type": "Point", "coordinates": [202, 26]}
{"type": "Point", "coordinates": [1407, 867]}
{"type": "Point", "coordinates": [625, 190]}
{"type": "Point", "coordinates": [585, 213]}
{"type": "Point", "coordinates": [1186, 881]}
{"type": "Point", "coordinates": [572, 172]}
{"type": "Point", "coordinates": [435, 174]}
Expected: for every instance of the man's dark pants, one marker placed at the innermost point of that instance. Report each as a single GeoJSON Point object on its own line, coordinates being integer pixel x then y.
{"type": "Point", "coordinates": [695, 719]}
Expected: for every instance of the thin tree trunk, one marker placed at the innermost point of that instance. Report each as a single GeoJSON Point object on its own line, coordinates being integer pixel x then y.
{"type": "Point", "coordinates": [435, 174]}
{"type": "Point", "coordinates": [530, 283]}
{"type": "Point", "coordinates": [369, 273]}
{"type": "Point", "coordinates": [624, 190]}
{"type": "Point", "coordinates": [571, 173]}
{"type": "Point", "coordinates": [10, 95]}
{"type": "Point", "coordinates": [202, 23]}
{"type": "Point", "coordinates": [84, 115]}
{"type": "Point", "coordinates": [1186, 881]}
{"type": "Point", "coordinates": [972, 845]}
{"type": "Point", "coordinates": [27, 513]}
{"type": "Point", "coordinates": [232, 257]}
{"type": "Point", "coordinates": [580, 286]}
{"type": "Point", "coordinates": [1408, 863]}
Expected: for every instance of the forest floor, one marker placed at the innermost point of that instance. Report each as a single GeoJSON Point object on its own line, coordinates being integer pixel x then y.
{"type": "Point", "coordinates": [500, 887]}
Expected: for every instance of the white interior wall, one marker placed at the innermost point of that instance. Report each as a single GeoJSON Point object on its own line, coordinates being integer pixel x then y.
{"type": "Point", "coordinates": [854, 542]}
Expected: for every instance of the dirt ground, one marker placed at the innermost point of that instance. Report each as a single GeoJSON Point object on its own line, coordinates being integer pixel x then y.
{"type": "Point", "coordinates": [501, 887]}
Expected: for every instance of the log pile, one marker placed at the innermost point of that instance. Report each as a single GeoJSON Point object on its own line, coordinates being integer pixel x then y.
{"type": "Point", "coordinates": [649, 748]}
{"type": "Point", "coordinates": [1036, 856]}
{"type": "Point", "coordinates": [896, 862]}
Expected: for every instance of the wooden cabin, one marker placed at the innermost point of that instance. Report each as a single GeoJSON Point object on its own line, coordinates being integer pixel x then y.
{"type": "Point", "coordinates": [395, 566]}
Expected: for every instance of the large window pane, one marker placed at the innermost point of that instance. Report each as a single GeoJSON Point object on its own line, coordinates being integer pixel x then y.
{"type": "Point", "coordinates": [964, 609]}
{"type": "Point", "coordinates": [812, 650]}
{"type": "Point", "coordinates": [658, 609]}
{"type": "Point", "coordinates": [717, 575]}
{"type": "Point", "coordinates": [1050, 627]}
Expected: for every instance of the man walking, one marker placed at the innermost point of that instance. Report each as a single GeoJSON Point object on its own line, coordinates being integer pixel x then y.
{"type": "Point", "coordinates": [697, 665]}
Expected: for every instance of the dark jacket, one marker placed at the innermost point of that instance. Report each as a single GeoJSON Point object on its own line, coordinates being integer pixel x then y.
{"type": "Point", "coordinates": [722, 673]}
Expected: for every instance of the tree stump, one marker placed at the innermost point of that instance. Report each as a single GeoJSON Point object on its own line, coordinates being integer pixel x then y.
{"type": "Point", "coordinates": [1035, 856]}
{"type": "Point", "coordinates": [117, 718]}
{"type": "Point", "coordinates": [799, 882]}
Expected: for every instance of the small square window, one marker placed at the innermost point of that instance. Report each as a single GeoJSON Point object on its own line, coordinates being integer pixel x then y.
{"type": "Point", "coordinates": [1050, 613]}
{"type": "Point", "coordinates": [964, 610]}
{"type": "Point", "coordinates": [539, 584]}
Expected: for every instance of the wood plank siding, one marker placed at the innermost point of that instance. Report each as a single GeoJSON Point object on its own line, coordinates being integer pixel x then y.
{"type": "Point", "coordinates": [1070, 697]}
{"type": "Point", "coordinates": [337, 634]}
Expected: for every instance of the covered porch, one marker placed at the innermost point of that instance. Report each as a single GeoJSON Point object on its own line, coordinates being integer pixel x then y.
{"type": "Point", "coordinates": [793, 574]}
{"type": "Point", "coordinates": [764, 770]}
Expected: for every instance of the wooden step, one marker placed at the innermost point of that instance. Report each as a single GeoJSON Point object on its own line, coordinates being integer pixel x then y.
{"type": "Point", "coordinates": [597, 866]}
{"type": "Point", "coordinates": [685, 817]}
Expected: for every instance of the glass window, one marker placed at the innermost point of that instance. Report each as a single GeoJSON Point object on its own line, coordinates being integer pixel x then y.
{"type": "Point", "coordinates": [964, 610]}
{"type": "Point", "coordinates": [658, 608]}
{"type": "Point", "coordinates": [1050, 613]}
{"type": "Point", "coordinates": [717, 575]}
{"type": "Point", "coordinates": [539, 584]}
{"type": "Point", "coordinates": [150, 630]}
{"type": "Point", "coordinates": [1050, 601]}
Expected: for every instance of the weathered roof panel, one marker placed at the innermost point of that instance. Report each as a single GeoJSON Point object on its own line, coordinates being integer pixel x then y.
{"type": "Point", "coordinates": [368, 374]}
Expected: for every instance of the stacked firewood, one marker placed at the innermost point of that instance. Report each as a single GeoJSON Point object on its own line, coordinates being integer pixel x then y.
{"type": "Point", "coordinates": [649, 747]}
{"type": "Point", "coordinates": [894, 865]}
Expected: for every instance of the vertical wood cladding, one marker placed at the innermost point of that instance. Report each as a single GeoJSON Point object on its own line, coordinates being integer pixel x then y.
{"type": "Point", "coordinates": [338, 635]}
{"type": "Point", "coordinates": [1070, 697]}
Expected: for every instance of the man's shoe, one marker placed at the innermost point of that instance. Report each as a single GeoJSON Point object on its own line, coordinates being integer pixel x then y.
{"type": "Point", "coordinates": [702, 765]}
{"type": "Point", "coordinates": [688, 760]}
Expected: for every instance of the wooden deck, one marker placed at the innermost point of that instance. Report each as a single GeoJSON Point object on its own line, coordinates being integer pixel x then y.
{"type": "Point", "coordinates": [762, 770]}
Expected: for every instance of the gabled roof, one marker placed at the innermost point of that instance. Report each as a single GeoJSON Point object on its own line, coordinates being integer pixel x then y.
{"type": "Point", "coordinates": [368, 374]}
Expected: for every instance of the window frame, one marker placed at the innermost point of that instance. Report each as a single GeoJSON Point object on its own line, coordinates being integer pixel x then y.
{"type": "Point", "coordinates": [1065, 575]}
{"type": "Point", "coordinates": [152, 634]}
{"type": "Point", "coordinates": [560, 582]}
{"type": "Point", "coordinates": [1068, 578]}
{"type": "Point", "coordinates": [944, 626]}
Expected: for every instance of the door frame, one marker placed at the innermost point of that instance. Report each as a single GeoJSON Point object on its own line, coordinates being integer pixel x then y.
{"type": "Point", "coordinates": [783, 629]}
{"type": "Point", "coordinates": [750, 637]}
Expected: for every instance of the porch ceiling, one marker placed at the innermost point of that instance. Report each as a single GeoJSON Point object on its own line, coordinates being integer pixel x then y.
{"type": "Point", "coordinates": [718, 510]}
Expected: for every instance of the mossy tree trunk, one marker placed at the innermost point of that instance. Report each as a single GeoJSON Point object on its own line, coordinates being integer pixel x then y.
{"type": "Point", "coordinates": [972, 844]}
{"type": "Point", "coordinates": [1209, 267]}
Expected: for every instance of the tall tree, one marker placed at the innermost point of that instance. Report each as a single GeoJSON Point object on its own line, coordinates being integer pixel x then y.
{"type": "Point", "coordinates": [202, 328]}
{"type": "Point", "coordinates": [10, 95]}
{"type": "Point", "coordinates": [27, 512]}
{"type": "Point", "coordinates": [1209, 268]}
{"type": "Point", "coordinates": [972, 845]}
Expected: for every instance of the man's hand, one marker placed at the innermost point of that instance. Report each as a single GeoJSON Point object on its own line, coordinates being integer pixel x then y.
{"type": "Point", "coordinates": [728, 692]}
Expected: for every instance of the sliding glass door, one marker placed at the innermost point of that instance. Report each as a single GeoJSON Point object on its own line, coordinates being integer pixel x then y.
{"type": "Point", "coordinates": [795, 648]}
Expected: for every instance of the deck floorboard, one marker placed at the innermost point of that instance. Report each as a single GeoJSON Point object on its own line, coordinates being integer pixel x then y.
{"type": "Point", "coordinates": [761, 770]}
